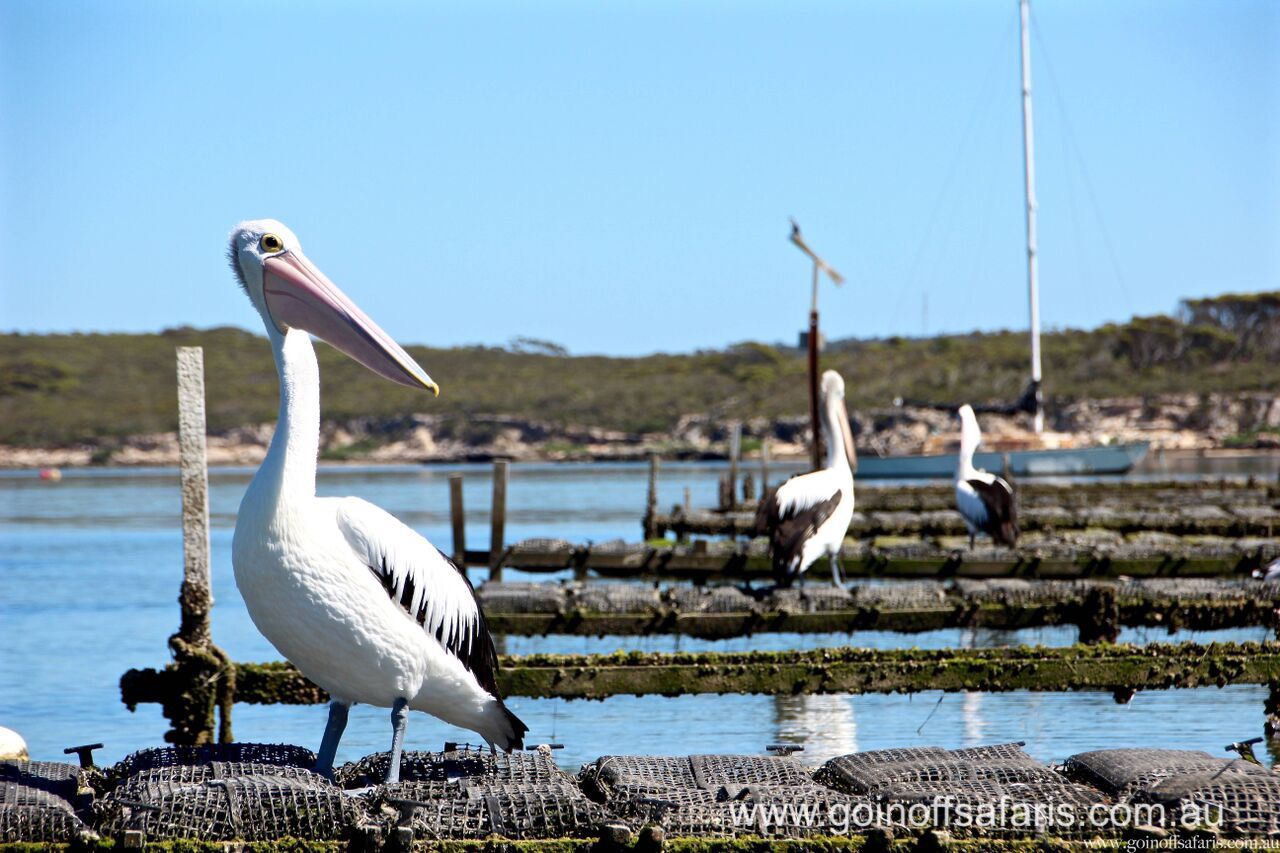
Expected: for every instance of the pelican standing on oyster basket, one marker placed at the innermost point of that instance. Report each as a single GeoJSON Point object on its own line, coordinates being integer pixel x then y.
{"type": "Point", "coordinates": [361, 604]}
{"type": "Point", "coordinates": [808, 516]}
{"type": "Point", "coordinates": [985, 501]}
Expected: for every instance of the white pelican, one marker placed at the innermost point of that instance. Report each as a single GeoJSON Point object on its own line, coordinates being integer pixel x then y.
{"type": "Point", "coordinates": [985, 501]}
{"type": "Point", "coordinates": [364, 607]}
{"type": "Point", "coordinates": [809, 514]}
{"type": "Point", "coordinates": [12, 746]}
{"type": "Point", "coordinates": [1270, 573]}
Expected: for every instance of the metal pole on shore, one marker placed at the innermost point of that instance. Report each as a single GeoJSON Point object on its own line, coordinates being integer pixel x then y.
{"type": "Point", "coordinates": [815, 448]}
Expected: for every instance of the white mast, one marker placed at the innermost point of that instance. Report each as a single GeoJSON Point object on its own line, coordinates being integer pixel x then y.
{"type": "Point", "coordinates": [1029, 162]}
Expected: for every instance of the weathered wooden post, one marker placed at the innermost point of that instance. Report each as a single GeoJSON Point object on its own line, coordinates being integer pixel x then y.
{"type": "Point", "coordinates": [207, 674]}
{"type": "Point", "coordinates": [458, 521]}
{"type": "Point", "coordinates": [498, 520]}
{"type": "Point", "coordinates": [1271, 713]}
{"type": "Point", "coordinates": [1100, 616]}
{"type": "Point", "coordinates": [764, 467]}
{"type": "Point", "coordinates": [735, 450]}
{"type": "Point", "coordinates": [651, 502]}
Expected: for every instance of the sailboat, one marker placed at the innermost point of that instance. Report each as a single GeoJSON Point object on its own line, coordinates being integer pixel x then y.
{"type": "Point", "coordinates": [1102, 459]}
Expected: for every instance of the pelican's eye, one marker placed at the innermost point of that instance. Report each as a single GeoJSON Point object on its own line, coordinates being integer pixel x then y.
{"type": "Point", "coordinates": [271, 243]}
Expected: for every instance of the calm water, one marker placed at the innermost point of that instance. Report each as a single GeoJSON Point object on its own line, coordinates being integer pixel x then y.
{"type": "Point", "coordinates": [90, 569]}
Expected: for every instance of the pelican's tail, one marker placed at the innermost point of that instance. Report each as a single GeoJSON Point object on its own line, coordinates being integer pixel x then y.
{"type": "Point", "coordinates": [504, 729]}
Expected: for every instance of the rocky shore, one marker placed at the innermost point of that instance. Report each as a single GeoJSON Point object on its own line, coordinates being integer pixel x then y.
{"type": "Point", "coordinates": [1169, 422]}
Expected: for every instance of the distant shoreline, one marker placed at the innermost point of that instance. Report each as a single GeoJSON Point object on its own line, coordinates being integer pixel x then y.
{"type": "Point", "coordinates": [35, 459]}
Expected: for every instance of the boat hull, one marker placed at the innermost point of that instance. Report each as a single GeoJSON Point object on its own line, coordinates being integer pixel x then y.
{"type": "Point", "coordinates": [1108, 459]}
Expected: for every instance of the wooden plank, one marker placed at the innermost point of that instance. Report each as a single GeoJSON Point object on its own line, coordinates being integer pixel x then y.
{"type": "Point", "coordinates": [650, 563]}
{"type": "Point", "coordinates": [1194, 615]}
{"type": "Point", "coordinates": [1105, 668]}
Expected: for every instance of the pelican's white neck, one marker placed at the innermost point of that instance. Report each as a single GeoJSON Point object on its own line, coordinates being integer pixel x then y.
{"type": "Point", "coordinates": [290, 466]}
{"type": "Point", "coordinates": [970, 438]}
{"type": "Point", "coordinates": [833, 424]}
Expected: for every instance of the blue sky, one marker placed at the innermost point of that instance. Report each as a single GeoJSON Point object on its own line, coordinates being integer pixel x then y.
{"type": "Point", "coordinates": [617, 177]}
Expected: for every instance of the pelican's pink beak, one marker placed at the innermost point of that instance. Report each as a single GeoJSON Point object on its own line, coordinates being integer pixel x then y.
{"type": "Point", "coordinates": [299, 296]}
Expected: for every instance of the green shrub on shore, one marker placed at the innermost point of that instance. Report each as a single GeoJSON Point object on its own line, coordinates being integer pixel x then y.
{"type": "Point", "coordinates": [66, 388]}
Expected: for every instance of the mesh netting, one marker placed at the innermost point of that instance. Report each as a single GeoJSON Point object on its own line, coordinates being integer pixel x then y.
{"type": "Point", "coordinates": [471, 809]}
{"type": "Point", "coordinates": [815, 597]}
{"type": "Point", "coordinates": [715, 599]}
{"type": "Point", "coordinates": [1012, 751]}
{"type": "Point", "coordinates": [690, 795]}
{"type": "Point", "coordinates": [1016, 591]}
{"type": "Point", "coordinates": [980, 807]}
{"type": "Point", "coordinates": [13, 794]}
{"type": "Point", "coordinates": [876, 772]}
{"type": "Point", "coordinates": [1122, 772]}
{"type": "Point", "coordinates": [246, 808]}
{"type": "Point", "coordinates": [618, 547]}
{"type": "Point", "coordinates": [893, 595]}
{"type": "Point", "coordinates": [1241, 803]}
{"type": "Point", "coordinates": [543, 544]}
{"type": "Point", "coordinates": [52, 776]}
{"type": "Point", "coordinates": [714, 771]}
{"type": "Point", "coordinates": [244, 753]}
{"type": "Point", "coordinates": [39, 823]}
{"type": "Point", "coordinates": [147, 785]}
{"type": "Point", "coordinates": [616, 598]}
{"type": "Point", "coordinates": [1216, 589]}
{"type": "Point", "coordinates": [461, 762]}
{"type": "Point", "coordinates": [500, 597]}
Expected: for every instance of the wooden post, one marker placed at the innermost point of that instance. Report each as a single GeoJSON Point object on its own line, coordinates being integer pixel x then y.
{"type": "Point", "coordinates": [735, 450]}
{"type": "Point", "coordinates": [458, 521]}
{"type": "Point", "coordinates": [815, 449]}
{"type": "Point", "coordinates": [498, 521]}
{"type": "Point", "coordinates": [197, 595]}
{"type": "Point", "coordinates": [207, 673]}
{"type": "Point", "coordinates": [1271, 713]}
{"type": "Point", "coordinates": [651, 502]}
{"type": "Point", "coordinates": [764, 468]}
{"type": "Point", "coordinates": [1099, 621]}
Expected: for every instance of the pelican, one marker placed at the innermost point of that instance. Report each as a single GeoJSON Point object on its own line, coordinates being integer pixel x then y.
{"type": "Point", "coordinates": [1270, 574]}
{"type": "Point", "coordinates": [12, 746]}
{"type": "Point", "coordinates": [809, 514]}
{"type": "Point", "coordinates": [361, 604]}
{"type": "Point", "coordinates": [985, 501]}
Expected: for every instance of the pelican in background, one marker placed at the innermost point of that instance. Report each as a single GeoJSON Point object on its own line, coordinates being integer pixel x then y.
{"type": "Point", "coordinates": [985, 501]}
{"type": "Point", "coordinates": [361, 604]}
{"type": "Point", "coordinates": [809, 514]}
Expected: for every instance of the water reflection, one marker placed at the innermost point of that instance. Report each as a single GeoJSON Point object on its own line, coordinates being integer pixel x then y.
{"type": "Point", "coordinates": [825, 724]}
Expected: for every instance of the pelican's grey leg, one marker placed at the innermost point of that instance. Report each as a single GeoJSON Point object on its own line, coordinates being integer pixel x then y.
{"type": "Point", "coordinates": [332, 734]}
{"type": "Point", "coordinates": [399, 722]}
{"type": "Point", "coordinates": [970, 541]}
{"type": "Point", "coordinates": [835, 571]}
